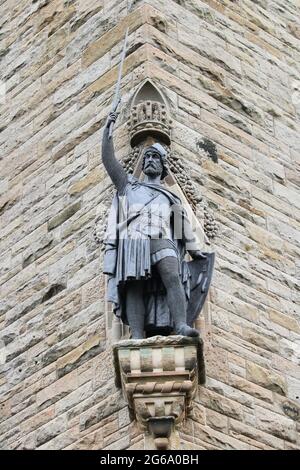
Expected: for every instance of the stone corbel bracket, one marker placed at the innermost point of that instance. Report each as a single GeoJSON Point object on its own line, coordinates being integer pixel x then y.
{"type": "Point", "coordinates": [159, 378]}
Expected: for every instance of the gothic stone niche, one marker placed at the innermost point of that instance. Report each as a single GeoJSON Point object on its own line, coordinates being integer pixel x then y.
{"type": "Point", "coordinates": [159, 377]}
{"type": "Point", "coordinates": [153, 287]}
{"type": "Point", "coordinates": [149, 116]}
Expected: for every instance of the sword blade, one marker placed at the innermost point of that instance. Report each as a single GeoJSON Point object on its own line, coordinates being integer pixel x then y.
{"type": "Point", "coordinates": [117, 97]}
{"type": "Point", "coordinates": [118, 86]}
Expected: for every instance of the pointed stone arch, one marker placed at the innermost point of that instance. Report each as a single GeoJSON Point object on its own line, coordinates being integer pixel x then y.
{"type": "Point", "coordinates": [148, 91]}
{"type": "Point", "coordinates": [149, 115]}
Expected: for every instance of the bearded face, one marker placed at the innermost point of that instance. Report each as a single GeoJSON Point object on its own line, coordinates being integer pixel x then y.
{"type": "Point", "coordinates": [152, 163]}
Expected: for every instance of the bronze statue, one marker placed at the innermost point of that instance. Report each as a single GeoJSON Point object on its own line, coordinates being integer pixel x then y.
{"type": "Point", "coordinates": [153, 288]}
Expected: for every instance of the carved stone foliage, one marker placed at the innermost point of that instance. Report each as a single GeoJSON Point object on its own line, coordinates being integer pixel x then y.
{"type": "Point", "coordinates": [184, 180]}
{"type": "Point", "coordinates": [130, 161]}
{"type": "Point", "coordinates": [210, 224]}
{"type": "Point", "coordinates": [100, 224]}
{"type": "Point", "coordinates": [159, 378]}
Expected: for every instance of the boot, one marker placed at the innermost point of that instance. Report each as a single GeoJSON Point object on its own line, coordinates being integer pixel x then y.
{"type": "Point", "coordinates": [184, 330]}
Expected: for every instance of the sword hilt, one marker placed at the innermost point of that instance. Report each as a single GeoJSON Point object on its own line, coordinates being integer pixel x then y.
{"type": "Point", "coordinates": [114, 109]}
{"type": "Point", "coordinates": [110, 130]}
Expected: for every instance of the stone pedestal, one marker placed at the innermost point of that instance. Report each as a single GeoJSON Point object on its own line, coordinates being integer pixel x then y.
{"type": "Point", "coordinates": [159, 377]}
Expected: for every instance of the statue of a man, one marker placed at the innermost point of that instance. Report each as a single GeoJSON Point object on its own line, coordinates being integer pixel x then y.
{"type": "Point", "coordinates": [149, 280]}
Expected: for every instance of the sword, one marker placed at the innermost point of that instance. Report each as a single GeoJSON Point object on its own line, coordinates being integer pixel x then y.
{"type": "Point", "coordinates": [117, 97]}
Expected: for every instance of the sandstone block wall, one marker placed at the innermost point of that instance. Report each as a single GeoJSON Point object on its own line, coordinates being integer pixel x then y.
{"type": "Point", "coordinates": [230, 70]}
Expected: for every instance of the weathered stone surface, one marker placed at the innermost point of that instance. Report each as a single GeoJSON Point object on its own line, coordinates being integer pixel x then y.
{"type": "Point", "coordinates": [284, 320]}
{"type": "Point", "coordinates": [63, 216]}
{"type": "Point", "coordinates": [251, 388]}
{"type": "Point", "coordinates": [220, 404]}
{"type": "Point", "coordinates": [51, 430]}
{"type": "Point", "coordinates": [73, 398]}
{"type": "Point", "coordinates": [90, 180]}
{"type": "Point", "coordinates": [217, 421]}
{"type": "Point", "coordinates": [275, 424]}
{"type": "Point", "coordinates": [96, 414]}
{"type": "Point", "coordinates": [217, 363]}
{"type": "Point", "coordinates": [266, 378]}
{"type": "Point", "coordinates": [58, 389]}
{"type": "Point", "coordinates": [218, 439]}
{"type": "Point", "coordinates": [240, 429]}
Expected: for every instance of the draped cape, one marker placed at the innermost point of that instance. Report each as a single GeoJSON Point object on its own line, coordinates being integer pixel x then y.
{"type": "Point", "coordinates": [128, 257]}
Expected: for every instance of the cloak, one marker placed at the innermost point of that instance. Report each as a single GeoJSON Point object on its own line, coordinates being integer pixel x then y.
{"type": "Point", "coordinates": [128, 257]}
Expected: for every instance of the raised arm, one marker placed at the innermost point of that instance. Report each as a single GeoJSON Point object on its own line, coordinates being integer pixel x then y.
{"type": "Point", "coordinates": [113, 167]}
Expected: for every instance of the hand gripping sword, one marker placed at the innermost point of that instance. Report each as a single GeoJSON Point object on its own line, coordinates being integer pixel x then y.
{"type": "Point", "coordinates": [117, 97]}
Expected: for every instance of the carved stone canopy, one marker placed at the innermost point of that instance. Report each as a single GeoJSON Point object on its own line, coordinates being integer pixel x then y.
{"type": "Point", "coordinates": [159, 377]}
{"type": "Point", "coordinates": [149, 118]}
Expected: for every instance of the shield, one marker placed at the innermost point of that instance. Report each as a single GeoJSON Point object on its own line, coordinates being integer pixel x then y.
{"type": "Point", "coordinates": [201, 273]}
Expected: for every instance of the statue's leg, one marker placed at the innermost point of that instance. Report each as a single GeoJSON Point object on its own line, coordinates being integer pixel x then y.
{"type": "Point", "coordinates": [169, 272]}
{"type": "Point", "coordinates": [135, 309]}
